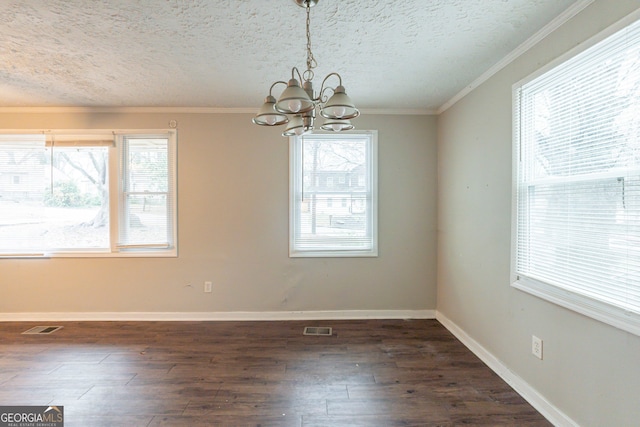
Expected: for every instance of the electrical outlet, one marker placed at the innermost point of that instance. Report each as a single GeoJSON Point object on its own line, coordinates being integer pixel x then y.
{"type": "Point", "coordinates": [207, 286]}
{"type": "Point", "coordinates": [536, 346]}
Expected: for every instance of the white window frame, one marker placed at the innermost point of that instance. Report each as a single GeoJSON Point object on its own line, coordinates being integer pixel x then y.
{"type": "Point", "coordinates": [295, 195]}
{"type": "Point", "coordinates": [115, 170]}
{"type": "Point", "coordinates": [168, 248]}
{"type": "Point", "coordinates": [594, 308]}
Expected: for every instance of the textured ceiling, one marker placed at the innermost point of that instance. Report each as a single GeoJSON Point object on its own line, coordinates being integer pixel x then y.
{"type": "Point", "coordinates": [410, 54]}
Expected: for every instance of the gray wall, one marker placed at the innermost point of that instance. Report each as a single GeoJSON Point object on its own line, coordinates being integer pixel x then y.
{"type": "Point", "coordinates": [233, 229]}
{"type": "Point", "coordinates": [590, 371]}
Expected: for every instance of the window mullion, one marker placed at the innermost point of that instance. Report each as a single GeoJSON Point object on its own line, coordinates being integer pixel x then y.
{"type": "Point", "coordinates": [114, 194]}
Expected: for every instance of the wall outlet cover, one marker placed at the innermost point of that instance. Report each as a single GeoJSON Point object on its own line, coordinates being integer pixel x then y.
{"type": "Point", "coordinates": [536, 346]}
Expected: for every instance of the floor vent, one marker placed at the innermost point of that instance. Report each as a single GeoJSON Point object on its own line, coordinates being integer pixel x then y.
{"type": "Point", "coordinates": [42, 330]}
{"type": "Point", "coordinates": [319, 331]}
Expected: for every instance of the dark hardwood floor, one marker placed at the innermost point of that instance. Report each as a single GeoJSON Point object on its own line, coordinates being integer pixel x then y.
{"type": "Point", "coordinates": [368, 373]}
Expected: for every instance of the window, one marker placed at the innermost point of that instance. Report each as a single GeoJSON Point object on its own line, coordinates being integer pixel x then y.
{"type": "Point", "coordinates": [88, 194]}
{"type": "Point", "coordinates": [577, 182]}
{"type": "Point", "coordinates": [318, 226]}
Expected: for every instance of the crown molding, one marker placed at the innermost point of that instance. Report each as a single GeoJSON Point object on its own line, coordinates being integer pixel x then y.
{"type": "Point", "coordinates": [185, 110]}
{"type": "Point", "coordinates": [400, 112]}
{"type": "Point", "coordinates": [557, 22]}
{"type": "Point", "coordinates": [125, 110]}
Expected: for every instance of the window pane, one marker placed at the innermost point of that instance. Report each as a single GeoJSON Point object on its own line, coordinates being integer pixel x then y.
{"type": "Point", "coordinates": [22, 167]}
{"type": "Point", "coordinates": [76, 198]}
{"type": "Point", "coordinates": [333, 209]}
{"type": "Point", "coordinates": [325, 162]}
{"type": "Point", "coordinates": [146, 220]}
{"type": "Point", "coordinates": [59, 200]}
{"type": "Point", "coordinates": [146, 211]}
{"type": "Point", "coordinates": [147, 165]}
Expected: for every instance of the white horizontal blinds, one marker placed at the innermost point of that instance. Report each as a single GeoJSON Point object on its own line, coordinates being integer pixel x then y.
{"type": "Point", "coordinates": [22, 187]}
{"type": "Point", "coordinates": [578, 189]}
{"type": "Point", "coordinates": [333, 196]}
{"type": "Point", "coordinates": [147, 192]}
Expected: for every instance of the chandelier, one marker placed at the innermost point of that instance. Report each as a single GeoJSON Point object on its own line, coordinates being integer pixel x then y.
{"type": "Point", "coordinates": [297, 105]}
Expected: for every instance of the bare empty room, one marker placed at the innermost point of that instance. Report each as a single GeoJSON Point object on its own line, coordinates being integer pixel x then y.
{"type": "Point", "coordinates": [320, 213]}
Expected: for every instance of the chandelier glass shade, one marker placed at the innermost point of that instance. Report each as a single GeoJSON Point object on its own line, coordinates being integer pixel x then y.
{"type": "Point", "coordinates": [336, 125]}
{"type": "Point", "coordinates": [296, 107]}
{"type": "Point", "coordinates": [294, 100]}
{"type": "Point", "coordinates": [268, 116]}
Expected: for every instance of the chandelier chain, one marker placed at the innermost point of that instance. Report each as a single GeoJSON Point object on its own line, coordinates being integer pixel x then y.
{"type": "Point", "coordinates": [311, 61]}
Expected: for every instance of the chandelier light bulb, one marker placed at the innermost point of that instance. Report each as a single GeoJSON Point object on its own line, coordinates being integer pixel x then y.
{"type": "Point", "coordinates": [271, 120]}
{"type": "Point", "coordinates": [335, 125]}
{"type": "Point", "coordinates": [295, 105]}
{"type": "Point", "coordinates": [339, 111]}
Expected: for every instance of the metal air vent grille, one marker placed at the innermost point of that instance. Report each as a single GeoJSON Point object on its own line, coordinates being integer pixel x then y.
{"type": "Point", "coordinates": [318, 331]}
{"type": "Point", "coordinates": [42, 330]}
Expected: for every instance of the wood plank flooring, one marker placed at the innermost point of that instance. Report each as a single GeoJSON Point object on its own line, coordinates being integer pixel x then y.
{"type": "Point", "coordinates": [368, 373]}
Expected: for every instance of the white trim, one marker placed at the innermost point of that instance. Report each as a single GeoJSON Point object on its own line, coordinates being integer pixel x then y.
{"type": "Point", "coordinates": [219, 315]}
{"type": "Point", "coordinates": [400, 111]}
{"type": "Point", "coordinates": [89, 131]}
{"type": "Point", "coordinates": [596, 309]}
{"type": "Point", "coordinates": [296, 169]}
{"type": "Point", "coordinates": [556, 23]}
{"type": "Point", "coordinates": [524, 389]}
{"type": "Point", "coordinates": [585, 45]}
{"type": "Point", "coordinates": [192, 110]}
{"type": "Point", "coordinates": [126, 110]}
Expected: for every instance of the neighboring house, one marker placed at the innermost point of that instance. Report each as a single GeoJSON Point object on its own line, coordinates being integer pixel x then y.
{"type": "Point", "coordinates": [21, 182]}
{"type": "Point", "coordinates": [28, 178]}
{"type": "Point", "coordinates": [338, 195]}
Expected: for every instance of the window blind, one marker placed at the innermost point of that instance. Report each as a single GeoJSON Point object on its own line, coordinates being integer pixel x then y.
{"type": "Point", "coordinates": [333, 206]}
{"type": "Point", "coordinates": [147, 193]}
{"type": "Point", "coordinates": [577, 131]}
{"type": "Point", "coordinates": [22, 185]}
{"type": "Point", "coordinates": [58, 189]}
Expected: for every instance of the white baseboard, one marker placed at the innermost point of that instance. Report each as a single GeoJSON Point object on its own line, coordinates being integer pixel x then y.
{"type": "Point", "coordinates": [531, 395]}
{"type": "Point", "coordinates": [219, 316]}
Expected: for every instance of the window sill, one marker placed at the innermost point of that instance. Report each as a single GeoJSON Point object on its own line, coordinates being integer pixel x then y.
{"type": "Point", "coordinates": [615, 316]}
{"type": "Point", "coordinates": [333, 254]}
{"type": "Point", "coordinates": [48, 255]}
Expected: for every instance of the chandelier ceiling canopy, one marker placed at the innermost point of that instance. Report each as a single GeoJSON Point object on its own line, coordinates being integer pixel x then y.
{"type": "Point", "coordinates": [297, 104]}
